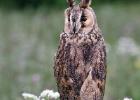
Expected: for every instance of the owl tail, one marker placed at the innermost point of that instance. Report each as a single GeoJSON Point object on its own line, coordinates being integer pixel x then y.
{"type": "Point", "coordinates": [90, 89]}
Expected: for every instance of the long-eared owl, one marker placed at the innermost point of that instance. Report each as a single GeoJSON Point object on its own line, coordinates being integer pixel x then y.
{"type": "Point", "coordinates": [80, 62]}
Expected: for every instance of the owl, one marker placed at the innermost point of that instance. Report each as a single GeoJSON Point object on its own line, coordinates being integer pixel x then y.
{"type": "Point", "coordinates": [80, 62]}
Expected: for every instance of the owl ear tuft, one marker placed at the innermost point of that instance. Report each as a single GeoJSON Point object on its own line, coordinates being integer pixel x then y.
{"type": "Point", "coordinates": [71, 3]}
{"type": "Point", "coordinates": [85, 3]}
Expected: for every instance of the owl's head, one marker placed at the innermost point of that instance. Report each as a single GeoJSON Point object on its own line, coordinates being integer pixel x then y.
{"type": "Point", "coordinates": [79, 18]}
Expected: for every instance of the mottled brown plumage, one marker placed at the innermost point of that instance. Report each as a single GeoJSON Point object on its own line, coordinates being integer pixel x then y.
{"type": "Point", "coordinates": [80, 63]}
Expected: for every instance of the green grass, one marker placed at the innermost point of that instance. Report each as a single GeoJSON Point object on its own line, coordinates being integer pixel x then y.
{"type": "Point", "coordinates": [29, 40]}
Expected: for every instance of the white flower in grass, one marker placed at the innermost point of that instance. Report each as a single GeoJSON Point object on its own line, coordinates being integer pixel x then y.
{"type": "Point", "coordinates": [29, 96]}
{"type": "Point", "coordinates": [45, 93]}
{"type": "Point", "coordinates": [126, 98]}
{"type": "Point", "coordinates": [127, 46]}
{"type": "Point", "coordinates": [54, 95]}
{"type": "Point", "coordinates": [49, 94]}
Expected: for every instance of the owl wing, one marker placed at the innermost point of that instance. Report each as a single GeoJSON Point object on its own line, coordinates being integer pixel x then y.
{"type": "Point", "coordinates": [94, 85]}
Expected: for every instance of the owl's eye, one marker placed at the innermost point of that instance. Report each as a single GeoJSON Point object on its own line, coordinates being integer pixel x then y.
{"type": "Point", "coordinates": [83, 18]}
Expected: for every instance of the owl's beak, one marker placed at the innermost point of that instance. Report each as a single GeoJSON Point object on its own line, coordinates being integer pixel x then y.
{"type": "Point", "coordinates": [74, 27]}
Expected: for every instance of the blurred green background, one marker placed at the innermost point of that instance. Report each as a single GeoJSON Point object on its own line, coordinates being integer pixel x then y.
{"type": "Point", "coordinates": [29, 35]}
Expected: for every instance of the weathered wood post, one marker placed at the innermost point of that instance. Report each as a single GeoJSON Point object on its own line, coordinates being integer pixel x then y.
{"type": "Point", "coordinates": [80, 63]}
